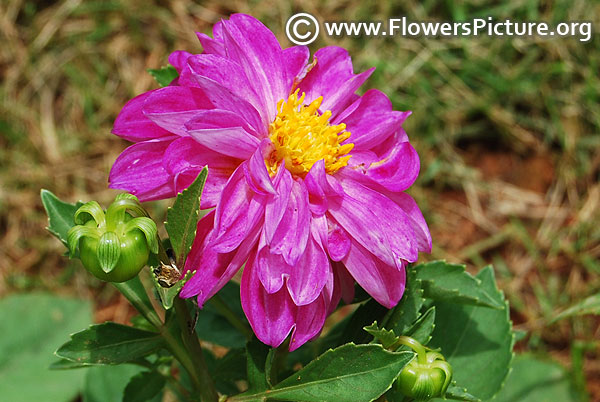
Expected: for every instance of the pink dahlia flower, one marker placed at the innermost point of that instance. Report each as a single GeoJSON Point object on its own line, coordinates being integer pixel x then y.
{"type": "Point", "coordinates": [306, 176]}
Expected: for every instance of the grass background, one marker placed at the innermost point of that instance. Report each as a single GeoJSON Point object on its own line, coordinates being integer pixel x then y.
{"type": "Point", "coordinates": [508, 130]}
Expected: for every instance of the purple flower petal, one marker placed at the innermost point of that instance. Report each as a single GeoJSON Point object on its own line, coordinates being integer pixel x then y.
{"type": "Point", "coordinates": [338, 241]}
{"type": "Point", "coordinates": [412, 211]}
{"type": "Point", "coordinates": [210, 45]}
{"type": "Point", "coordinates": [292, 233]}
{"type": "Point", "coordinates": [254, 47]}
{"type": "Point", "coordinates": [395, 171]}
{"type": "Point", "coordinates": [228, 74]}
{"type": "Point", "coordinates": [256, 172]}
{"type": "Point", "coordinates": [276, 205]}
{"type": "Point", "coordinates": [238, 212]}
{"type": "Point", "coordinates": [308, 277]}
{"type": "Point", "coordinates": [171, 107]}
{"type": "Point", "coordinates": [184, 159]}
{"type": "Point", "coordinates": [178, 59]}
{"type": "Point", "coordinates": [371, 120]}
{"type": "Point", "coordinates": [333, 78]}
{"type": "Point", "coordinates": [223, 132]}
{"type": "Point", "coordinates": [139, 170]}
{"type": "Point", "coordinates": [296, 59]}
{"type": "Point", "coordinates": [271, 316]}
{"type": "Point", "coordinates": [375, 222]}
{"type": "Point", "coordinates": [224, 99]}
{"type": "Point", "coordinates": [309, 322]}
{"type": "Point", "coordinates": [132, 125]}
{"type": "Point", "coordinates": [383, 282]}
{"type": "Point", "coordinates": [272, 270]}
{"type": "Point", "coordinates": [320, 187]}
{"type": "Point", "coordinates": [213, 269]}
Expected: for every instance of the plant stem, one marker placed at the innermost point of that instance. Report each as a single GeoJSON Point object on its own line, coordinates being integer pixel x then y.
{"type": "Point", "coordinates": [184, 346]}
{"type": "Point", "coordinates": [231, 316]}
{"type": "Point", "coordinates": [415, 346]}
{"type": "Point", "coordinates": [198, 369]}
{"type": "Point", "coordinates": [134, 291]}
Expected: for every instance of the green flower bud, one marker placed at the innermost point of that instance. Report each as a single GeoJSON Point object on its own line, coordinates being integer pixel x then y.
{"type": "Point", "coordinates": [114, 246]}
{"type": "Point", "coordinates": [427, 376]}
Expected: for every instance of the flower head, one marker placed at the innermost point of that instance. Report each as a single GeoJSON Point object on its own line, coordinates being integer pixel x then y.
{"type": "Point", "coordinates": [306, 177]}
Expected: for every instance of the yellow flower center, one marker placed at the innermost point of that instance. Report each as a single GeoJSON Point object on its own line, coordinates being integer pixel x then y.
{"type": "Point", "coordinates": [301, 136]}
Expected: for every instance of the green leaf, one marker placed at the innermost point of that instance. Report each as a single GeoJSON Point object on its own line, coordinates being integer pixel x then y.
{"type": "Point", "coordinates": [477, 341]}
{"type": "Point", "coordinates": [449, 282]}
{"type": "Point", "coordinates": [407, 311]}
{"type": "Point", "coordinates": [386, 337]}
{"type": "Point", "coordinates": [423, 327]}
{"type": "Point", "coordinates": [182, 217]}
{"type": "Point", "coordinates": [459, 393]}
{"type": "Point", "coordinates": [31, 326]}
{"type": "Point", "coordinates": [144, 386]}
{"type": "Point", "coordinates": [590, 305]}
{"type": "Point", "coordinates": [213, 327]}
{"type": "Point", "coordinates": [256, 357]}
{"type": "Point", "coordinates": [60, 215]}
{"type": "Point", "coordinates": [167, 295]}
{"type": "Point", "coordinates": [164, 75]}
{"type": "Point", "coordinates": [64, 364]}
{"type": "Point", "coordinates": [535, 380]}
{"type": "Point", "coordinates": [107, 383]}
{"type": "Point", "coordinates": [110, 343]}
{"type": "Point", "coordinates": [349, 373]}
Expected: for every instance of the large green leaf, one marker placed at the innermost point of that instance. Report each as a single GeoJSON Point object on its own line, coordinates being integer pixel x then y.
{"type": "Point", "coordinates": [477, 341]}
{"type": "Point", "coordinates": [31, 326]}
{"type": "Point", "coordinates": [449, 282]}
{"type": "Point", "coordinates": [110, 343]}
{"type": "Point", "coordinates": [60, 215]}
{"type": "Point", "coordinates": [108, 383]}
{"type": "Point", "coordinates": [182, 217]}
{"type": "Point", "coordinates": [534, 380]}
{"type": "Point", "coordinates": [349, 373]}
{"type": "Point", "coordinates": [589, 305]}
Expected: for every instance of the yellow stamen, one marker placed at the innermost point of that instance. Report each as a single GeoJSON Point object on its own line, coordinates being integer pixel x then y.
{"type": "Point", "coordinates": [301, 136]}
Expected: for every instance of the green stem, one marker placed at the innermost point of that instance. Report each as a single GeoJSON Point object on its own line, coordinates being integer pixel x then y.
{"type": "Point", "coordinates": [184, 346]}
{"type": "Point", "coordinates": [231, 316]}
{"type": "Point", "coordinates": [416, 346]}
{"type": "Point", "coordinates": [134, 291]}
{"type": "Point", "coordinates": [198, 370]}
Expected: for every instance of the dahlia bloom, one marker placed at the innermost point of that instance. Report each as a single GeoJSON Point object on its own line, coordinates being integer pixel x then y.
{"type": "Point", "coordinates": [306, 177]}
